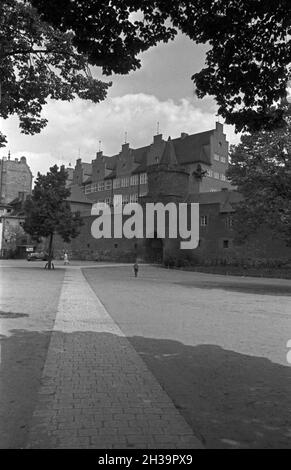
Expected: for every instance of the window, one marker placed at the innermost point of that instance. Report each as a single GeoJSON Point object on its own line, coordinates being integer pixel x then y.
{"type": "Point", "coordinates": [225, 243]}
{"type": "Point", "coordinates": [88, 189]}
{"type": "Point", "coordinates": [101, 186]}
{"type": "Point", "coordinates": [94, 187]}
{"type": "Point", "coordinates": [204, 220]}
{"type": "Point", "coordinates": [125, 199]}
{"type": "Point", "coordinates": [143, 179]}
{"type": "Point", "coordinates": [108, 185]}
{"type": "Point", "coordinates": [116, 183]}
{"type": "Point", "coordinates": [108, 200]}
{"type": "Point", "coordinates": [210, 173]}
{"type": "Point", "coordinates": [223, 159]}
{"type": "Point", "coordinates": [216, 175]}
{"type": "Point", "coordinates": [222, 177]}
{"type": "Point", "coordinates": [124, 182]}
{"type": "Point", "coordinates": [229, 222]}
{"type": "Point", "coordinates": [117, 201]}
{"type": "Point", "coordinates": [133, 198]}
{"type": "Point", "coordinates": [216, 157]}
{"type": "Point", "coordinates": [134, 180]}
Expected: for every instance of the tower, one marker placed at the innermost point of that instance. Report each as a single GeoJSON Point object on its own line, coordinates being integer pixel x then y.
{"type": "Point", "coordinates": [168, 182]}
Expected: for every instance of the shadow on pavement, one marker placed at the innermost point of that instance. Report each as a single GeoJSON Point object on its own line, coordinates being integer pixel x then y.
{"type": "Point", "coordinates": [236, 286]}
{"type": "Point", "coordinates": [23, 357]}
{"type": "Point", "coordinates": [229, 399]}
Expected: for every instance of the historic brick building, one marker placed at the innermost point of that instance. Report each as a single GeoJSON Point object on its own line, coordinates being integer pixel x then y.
{"type": "Point", "coordinates": [15, 186]}
{"type": "Point", "coordinates": [15, 179]}
{"type": "Point", "coordinates": [188, 169]}
{"type": "Point", "coordinates": [122, 178]}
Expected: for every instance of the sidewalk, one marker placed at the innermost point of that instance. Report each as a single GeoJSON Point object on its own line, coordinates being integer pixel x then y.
{"type": "Point", "coordinates": [96, 391]}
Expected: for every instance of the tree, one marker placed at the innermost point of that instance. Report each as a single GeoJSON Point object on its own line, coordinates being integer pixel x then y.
{"type": "Point", "coordinates": [37, 62]}
{"type": "Point", "coordinates": [249, 47]}
{"type": "Point", "coordinates": [40, 60]}
{"type": "Point", "coordinates": [47, 47]}
{"type": "Point", "coordinates": [248, 63]}
{"type": "Point", "coordinates": [47, 211]}
{"type": "Point", "coordinates": [261, 170]}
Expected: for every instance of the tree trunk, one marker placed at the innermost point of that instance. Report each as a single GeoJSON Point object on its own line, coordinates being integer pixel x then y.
{"type": "Point", "coordinates": [50, 254]}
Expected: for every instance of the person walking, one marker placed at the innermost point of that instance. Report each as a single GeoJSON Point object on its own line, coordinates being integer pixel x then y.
{"type": "Point", "coordinates": [66, 259]}
{"type": "Point", "coordinates": [135, 268]}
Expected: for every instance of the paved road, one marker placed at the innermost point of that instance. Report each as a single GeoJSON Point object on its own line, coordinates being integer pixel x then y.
{"type": "Point", "coordinates": [215, 346]}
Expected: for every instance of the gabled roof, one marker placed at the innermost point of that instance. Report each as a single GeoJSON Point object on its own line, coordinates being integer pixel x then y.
{"type": "Point", "coordinates": [193, 148]}
{"type": "Point", "coordinates": [225, 199]}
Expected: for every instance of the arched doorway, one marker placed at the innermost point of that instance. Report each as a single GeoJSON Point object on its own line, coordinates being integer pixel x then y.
{"type": "Point", "coordinates": [154, 248]}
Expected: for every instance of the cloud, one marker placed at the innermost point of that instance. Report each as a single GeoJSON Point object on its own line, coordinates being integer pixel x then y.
{"type": "Point", "coordinates": [76, 128]}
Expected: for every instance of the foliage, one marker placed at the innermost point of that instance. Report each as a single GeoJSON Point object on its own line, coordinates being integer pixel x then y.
{"type": "Point", "coordinates": [261, 170]}
{"type": "Point", "coordinates": [47, 46]}
{"type": "Point", "coordinates": [47, 211]}
{"type": "Point", "coordinates": [37, 62]}
{"type": "Point", "coordinates": [247, 63]}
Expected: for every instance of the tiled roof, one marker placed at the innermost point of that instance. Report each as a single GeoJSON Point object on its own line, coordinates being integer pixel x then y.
{"type": "Point", "coordinates": [140, 154]}
{"type": "Point", "coordinates": [142, 167]}
{"type": "Point", "coordinates": [225, 199]}
{"type": "Point", "coordinates": [193, 148]}
{"type": "Point", "coordinates": [111, 175]}
{"type": "Point", "coordinates": [110, 162]}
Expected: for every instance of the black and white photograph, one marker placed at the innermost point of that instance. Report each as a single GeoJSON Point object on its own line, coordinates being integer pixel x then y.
{"type": "Point", "coordinates": [145, 228]}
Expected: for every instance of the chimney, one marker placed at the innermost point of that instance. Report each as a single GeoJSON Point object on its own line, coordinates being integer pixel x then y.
{"type": "Point", "coordinates": [23, 160]}
{"type": "Point", "coordinates": [183, 135]}
{"type": "Point", "coordinates": [219, 127]}
{"type": "Point", "coordinates": [125, 147]}
{"type": "Point", "coordinates": [99, 154]}
{"type": "Point", "coordinates": [158, 138]}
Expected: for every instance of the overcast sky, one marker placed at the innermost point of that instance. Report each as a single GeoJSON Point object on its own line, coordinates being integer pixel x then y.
{"type": "Point", "coordinates": [161, 91]}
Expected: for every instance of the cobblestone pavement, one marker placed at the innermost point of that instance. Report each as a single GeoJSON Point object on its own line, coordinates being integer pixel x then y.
{"type": "Point", "coordinates": [96, 391]}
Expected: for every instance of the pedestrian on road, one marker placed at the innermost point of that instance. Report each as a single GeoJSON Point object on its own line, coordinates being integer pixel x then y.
{"type": "Point", "coordinates": [66, 259]}
{"type": "Point", "coordinates": [135, 268]}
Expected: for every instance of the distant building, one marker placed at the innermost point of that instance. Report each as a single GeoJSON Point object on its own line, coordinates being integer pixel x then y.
{"type": "Point", "coordinates": [191, 168]}
{"type": "Point", "coordinates": [15, 179]}
{"type": "Point", "coordinates": [122, 178]}
{"type": "Point", "coordinates": [70, 173]}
